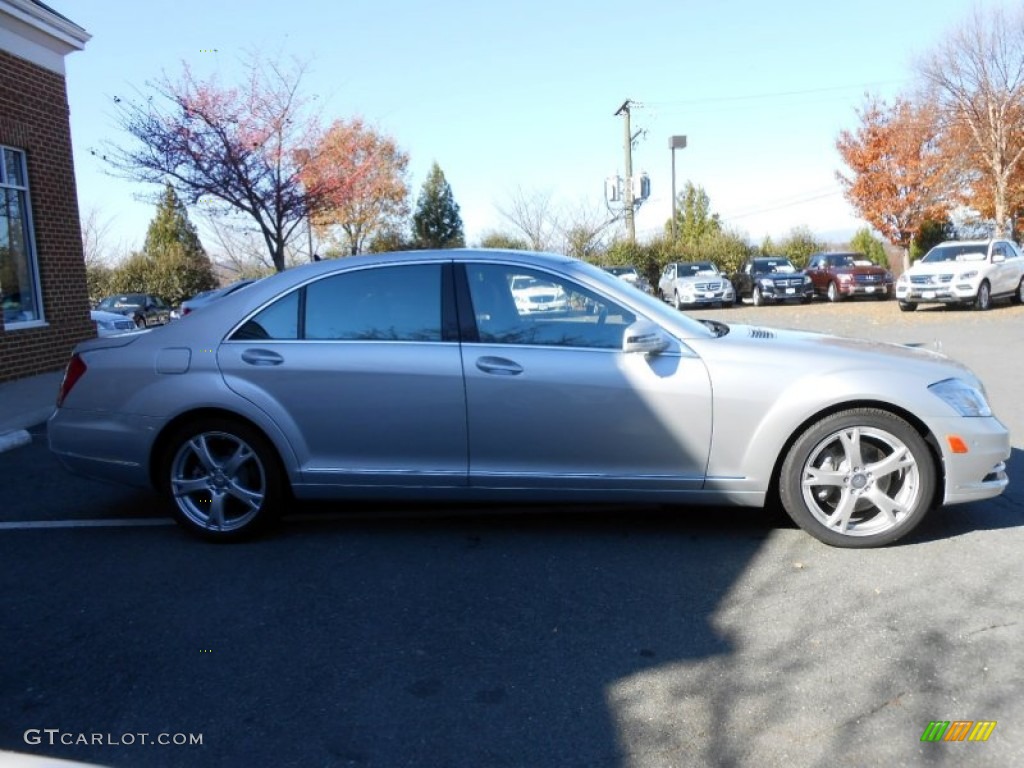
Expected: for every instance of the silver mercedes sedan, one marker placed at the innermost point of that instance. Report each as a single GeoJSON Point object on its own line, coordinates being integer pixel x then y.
{"type": "Point", "coordinates": [417, 376]}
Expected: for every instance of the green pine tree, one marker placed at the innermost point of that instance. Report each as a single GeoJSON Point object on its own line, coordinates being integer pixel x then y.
{"type": "Point", "coordinates": [177, 266]}
{"type": "Point", "coordinates": [437, 223]}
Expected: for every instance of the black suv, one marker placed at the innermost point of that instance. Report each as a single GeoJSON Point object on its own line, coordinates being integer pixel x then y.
{"type": "Point", "coordinates": [769, 279]}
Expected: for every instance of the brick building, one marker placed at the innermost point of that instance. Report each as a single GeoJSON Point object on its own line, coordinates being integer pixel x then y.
{"type": "Point", "coordinates": [45, 307]}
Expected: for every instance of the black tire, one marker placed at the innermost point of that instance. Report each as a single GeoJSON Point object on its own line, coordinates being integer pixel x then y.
{"type": "Point", "coordinates": [833, 293]}
{"type": "Point", "coordinates": [1018, 297]}
{"type": "Point", "coordinates": [907, 306]}
{"type": "Point", "coordinates": [218, 465]}
{"type": "Point", "coordinates": [140, 321]}
{"type": "Point", "coordinates": [756, 296]}
{"type": "Point", "coordinates": [841, 451]}
{"type": "Point", "coordinates": [676, 302]}
{"type": "Point", "coordinates": [983, 301]}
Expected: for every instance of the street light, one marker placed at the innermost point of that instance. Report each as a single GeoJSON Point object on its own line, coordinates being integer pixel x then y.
{"type": "Point", "coordinates": [674, 143]}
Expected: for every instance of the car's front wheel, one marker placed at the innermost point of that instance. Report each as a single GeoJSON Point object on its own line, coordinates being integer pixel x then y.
{"type": "Point", "coordinates": [833, 292]}
{"type": "Point", "coordinates": [858, 478]}
{"type": "Point", "coordinates": [1018, 297]}
{"type": "Point", "coordinates": [676, 302]}
{"type": "Point", "coordinates": [757, 297]}
{"type": "Point", "coordinates": [224, 479]}
{"type": "Point", "coordinates": [140, 321]}
{"type": "Point", "coordinates": [907, 306]}
{"type": "Point", "coordinates": [983, 300]}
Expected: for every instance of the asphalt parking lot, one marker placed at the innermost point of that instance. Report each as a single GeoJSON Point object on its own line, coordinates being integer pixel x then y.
{"type": "Point", "coordinates": [620, 637]}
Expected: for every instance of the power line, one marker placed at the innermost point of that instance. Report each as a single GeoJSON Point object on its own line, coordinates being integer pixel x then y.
{"type": "Point", "coordinates": [782, 205]}
{"type": "Point", "coordinates": [777, 94]}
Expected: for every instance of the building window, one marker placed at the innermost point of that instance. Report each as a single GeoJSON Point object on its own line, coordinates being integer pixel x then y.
{"type": "Point", "coordinates": [19, 283]}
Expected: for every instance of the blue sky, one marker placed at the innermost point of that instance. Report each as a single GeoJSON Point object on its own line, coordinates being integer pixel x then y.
{"type": "Point", "coordinates": [522, 95]}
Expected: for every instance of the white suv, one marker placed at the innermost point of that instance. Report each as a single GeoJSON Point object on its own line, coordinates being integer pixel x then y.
{"type": "Point", "coordinates": [970, 272]}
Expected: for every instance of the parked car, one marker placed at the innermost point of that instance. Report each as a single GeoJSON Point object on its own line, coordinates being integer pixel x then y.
{"type": "Point", "coordinates": [414, 375]}
{"type": "Point", "coordinates": [969, 272]}
{"type": "Point", "coordinates": [769, 279]}
{"type": "Point", "coordinates": [145, 309]}
{"type": "Point", "coordinates": [837, 276]}
{"type": "Point", "coordinates": [205, 297]}
{"type": "Point", "coordinates": [535, 295]}
{"type": "Point", "coordinates": [695, 283]}
{"type": "Point", "coordinates": [630, 274]}
{"type": "Point", "coordinates": [110, 323]}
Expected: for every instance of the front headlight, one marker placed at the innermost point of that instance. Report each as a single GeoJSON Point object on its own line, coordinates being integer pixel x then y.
{"type": "Point", "coordinates": [844, 277]}
{"type": "Point", "coordinates": [766, 283]}
{"type": "Point", "coordinates": [968, 275]}
{"type": "Point", "coordinates": [961, 397]}
{"type": "Point", "coordinates": [807, 279]}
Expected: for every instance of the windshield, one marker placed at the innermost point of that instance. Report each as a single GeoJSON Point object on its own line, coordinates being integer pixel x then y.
{"type": "Point", "coordinates": [782, 266]}
{"type": "Point", "coordinates": [125, 300]}
{"type": "Point", "coordinates": [697, 268]}
{"type": "Point", "coordinates": [958, 252]}
{"type": "Point", "coordinates": [620, 271]}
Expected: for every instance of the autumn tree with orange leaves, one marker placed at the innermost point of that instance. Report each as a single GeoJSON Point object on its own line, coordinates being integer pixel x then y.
{"type": "Point", "coordinates": [234, 148]}
{"type": "Point", "coordinates": [358, 178]}
{"type": "Point", "coordinates": [898, 173]}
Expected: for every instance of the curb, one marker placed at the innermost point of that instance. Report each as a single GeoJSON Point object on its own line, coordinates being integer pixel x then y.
{"type": "Point", "coordinates": [14, 439]}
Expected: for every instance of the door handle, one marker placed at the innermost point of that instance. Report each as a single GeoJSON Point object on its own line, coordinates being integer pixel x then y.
{"type": "Point", "coordinates": [499, 366]}
{"type": "Point", "coordinates": [261, 357]}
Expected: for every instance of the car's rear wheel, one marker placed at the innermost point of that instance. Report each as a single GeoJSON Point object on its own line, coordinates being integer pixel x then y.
{"type": "Point", "coordinates": [224, 479]}
{"type": "Point", "coordinates": [858, 478]}
{"type": "Point", "coordinates": [907, 306]}
{"type": "Point", "coordinates": [833, 292]}
{"type": "Point", "coordinates": [983, 300]}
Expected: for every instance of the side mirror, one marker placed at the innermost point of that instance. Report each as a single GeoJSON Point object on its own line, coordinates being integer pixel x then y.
{"type": "Point", "coordinates": [644, 337]}
{"type": "Point", "coordinates": [998, 258]}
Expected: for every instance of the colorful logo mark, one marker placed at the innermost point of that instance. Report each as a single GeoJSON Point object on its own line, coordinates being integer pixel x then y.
{"type": "Point", "coordinates": [958, 730]}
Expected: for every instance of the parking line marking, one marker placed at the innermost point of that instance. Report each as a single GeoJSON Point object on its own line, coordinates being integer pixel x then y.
{"type": "Point", "coordinates": [24, 525]}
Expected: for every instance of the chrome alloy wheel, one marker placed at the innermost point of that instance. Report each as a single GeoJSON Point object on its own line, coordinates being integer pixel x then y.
{"type": "Point", "coordinates": [861, 481]}
{"type": "Point", "coordinates": [218, 481]}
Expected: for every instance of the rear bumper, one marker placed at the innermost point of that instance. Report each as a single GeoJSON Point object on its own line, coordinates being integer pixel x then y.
{"type": "Point", "coordinates": [104, 446]}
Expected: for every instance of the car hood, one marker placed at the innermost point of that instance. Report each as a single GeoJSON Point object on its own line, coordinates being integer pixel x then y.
{"type": "Point", "coordinates": [778, 275]}
{"type": "Point", "coordinates": [943, 267]}
{"type": "Point", "coordinates": [859, 270]}
{"type": "Point", "coordinates": [694, 279]}
{"type": "Point", "coordinates": [782, 356]}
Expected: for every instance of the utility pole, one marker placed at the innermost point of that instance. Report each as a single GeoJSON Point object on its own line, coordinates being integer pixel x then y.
{"type": "Point", "coordinates": [628, 201]}
{"type": "Point", "coordinates": [629, 193]}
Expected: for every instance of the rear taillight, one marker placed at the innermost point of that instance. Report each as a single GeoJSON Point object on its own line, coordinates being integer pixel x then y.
{"type": "Point", "coordinates": [75, 370]}
{"type": "Point", "coordinates": [185, 311]}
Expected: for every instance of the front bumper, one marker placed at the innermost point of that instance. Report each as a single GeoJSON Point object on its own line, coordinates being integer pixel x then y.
{"type": "Point", "coordinates": [776, 293]}
{"type": "Point", "coordinates": [943, 294]}
{"type": "Point", "coordinates": [865, 289]}
{"type": "Point", "coordinates": [707, 297]}
{"type": "Point", "coordinates": [981, 472]}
